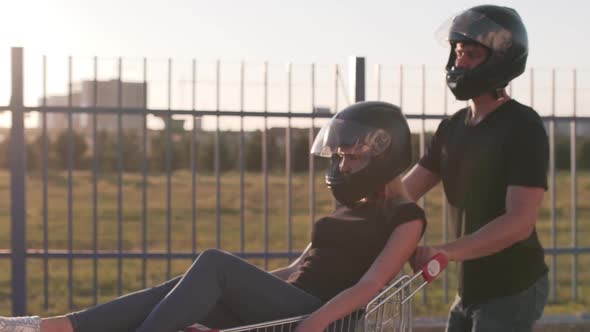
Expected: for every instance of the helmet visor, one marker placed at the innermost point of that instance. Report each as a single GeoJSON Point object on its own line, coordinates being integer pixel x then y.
{"type": "Point", "coordinates": [355, 144]}
{"type": "Point", "coordinates": [477, 27]}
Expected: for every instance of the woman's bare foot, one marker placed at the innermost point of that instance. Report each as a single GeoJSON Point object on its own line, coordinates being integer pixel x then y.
{"type": "Point", "coordinates": [56, 324]}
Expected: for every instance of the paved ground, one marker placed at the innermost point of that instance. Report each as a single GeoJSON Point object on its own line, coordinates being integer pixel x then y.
{"type": "Point", "coordinates": [546, 324]}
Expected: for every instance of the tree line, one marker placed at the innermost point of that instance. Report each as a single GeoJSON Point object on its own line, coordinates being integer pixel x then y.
{"type": "Point", "coordinates": [183, 150]}
{"type": "Point", "coordinates": [187, 149]}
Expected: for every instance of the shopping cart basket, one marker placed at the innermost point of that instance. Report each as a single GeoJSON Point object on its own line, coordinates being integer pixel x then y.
{"type": "Point", "coordinates": [390, 310]}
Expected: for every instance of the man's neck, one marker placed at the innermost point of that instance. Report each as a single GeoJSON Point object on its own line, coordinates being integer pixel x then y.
{"type": "Point", "coordinates": [483, 105]}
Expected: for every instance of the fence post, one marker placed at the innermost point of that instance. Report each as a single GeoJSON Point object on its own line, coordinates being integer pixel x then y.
{"type": "Point", "coordinates": [17, 159]}
{"type": "Point", "coordinates": [357, 77]}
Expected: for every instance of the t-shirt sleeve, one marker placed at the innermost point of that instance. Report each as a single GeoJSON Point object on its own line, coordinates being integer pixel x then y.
{"type": "Point", "coordinates": [406, 213]}
{"type": "Point", "coordinates": [431, 158]}
{"type": "Point", "coordinates": [528, 156]}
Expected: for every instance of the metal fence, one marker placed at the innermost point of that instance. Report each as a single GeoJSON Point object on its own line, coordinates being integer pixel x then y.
{"type": "Point", "coordinates": [414, 95]}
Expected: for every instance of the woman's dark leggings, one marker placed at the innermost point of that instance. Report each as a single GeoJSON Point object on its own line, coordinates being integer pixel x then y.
{"type": "Point", "coordinates": [219, 290]}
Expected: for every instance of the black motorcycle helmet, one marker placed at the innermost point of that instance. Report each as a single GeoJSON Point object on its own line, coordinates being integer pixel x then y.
{"type": "Point", "coordinates": [501, 31]}
{"type": "Point", "coordinates": [377, 133]}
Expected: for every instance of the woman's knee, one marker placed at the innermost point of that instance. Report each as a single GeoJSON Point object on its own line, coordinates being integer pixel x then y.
{"type": "Point", "coordinates": [213, 257]}
{"type": "Point", "coordinates": [212, 253]}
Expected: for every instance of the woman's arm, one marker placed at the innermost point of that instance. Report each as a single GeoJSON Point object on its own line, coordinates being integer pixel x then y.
{"type": "Point", "coordinates": [284, 272]}
{"type": "Point", "coordinates": [398, 249]}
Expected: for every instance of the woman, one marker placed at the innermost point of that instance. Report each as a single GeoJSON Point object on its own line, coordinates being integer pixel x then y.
{"type": "Point", "coordinates": [353, 253]}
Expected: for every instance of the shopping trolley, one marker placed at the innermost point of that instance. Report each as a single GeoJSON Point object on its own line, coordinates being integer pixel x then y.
{"type": "Point", "coordinates": [390, 310]}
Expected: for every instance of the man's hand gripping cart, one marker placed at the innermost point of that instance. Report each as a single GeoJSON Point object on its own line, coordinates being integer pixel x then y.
{"type": "Point", "coordinates": [390, 310]}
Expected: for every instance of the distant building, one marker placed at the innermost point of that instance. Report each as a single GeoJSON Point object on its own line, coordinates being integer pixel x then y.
{"type": "Point", "coordinates": [104, 94]}
{"type": "Point", "coordinates": [133, 95]}
{"type": "Point", "coordinates": [58, 121]}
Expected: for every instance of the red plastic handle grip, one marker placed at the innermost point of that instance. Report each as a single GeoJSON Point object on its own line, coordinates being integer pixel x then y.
{"type": "Point", "coordinates": [434, 266]}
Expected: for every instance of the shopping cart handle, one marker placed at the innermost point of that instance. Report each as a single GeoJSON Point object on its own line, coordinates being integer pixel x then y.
{"type": "Point", "coordinates": [434, 266]}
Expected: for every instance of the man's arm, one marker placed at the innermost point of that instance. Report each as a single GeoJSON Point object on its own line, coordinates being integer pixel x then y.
{"type": "Point", "coordinates": [285, 272]}
{"type": "Point", "coordinates": [517, 224]}
{"type": "Point", "coordinates": [419, 181]}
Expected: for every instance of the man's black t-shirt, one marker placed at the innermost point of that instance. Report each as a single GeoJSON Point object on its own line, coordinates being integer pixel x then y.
{"type": "Point", "coordinates": [345, 244]}
{"type": "Point", "coordinates": [476, 164]}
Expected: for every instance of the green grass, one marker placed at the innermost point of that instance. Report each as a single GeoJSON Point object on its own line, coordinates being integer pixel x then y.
{"type": "Point", "coordinates": [182, 231]}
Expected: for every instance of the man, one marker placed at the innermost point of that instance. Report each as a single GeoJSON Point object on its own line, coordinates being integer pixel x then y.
{"type": "Point", "coordinates": [492, 159]}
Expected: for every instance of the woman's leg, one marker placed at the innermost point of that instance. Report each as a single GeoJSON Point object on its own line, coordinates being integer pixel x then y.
{"type": "Point", "coordinates": [219, 278]}
{"type": "Point", "coordinates": [221, 317]}
{"type": "Point", "coordinates": [219, 290]}
{"type": "Point", "coordinates": [123, 314]}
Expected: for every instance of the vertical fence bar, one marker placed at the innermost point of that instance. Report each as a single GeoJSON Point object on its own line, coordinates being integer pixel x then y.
{"type": "Point", "coordinates": [169, 174]}
{"type": "Point", "coordinates": [120, 178]}
{"type": "Point", "coordinates": [288, 160]}
{"type": "Point", "coordinates": [357, 76]}
{"type": "Point", "coordinates": [18, 187]}
{"type": "Point", "coordinates": [551, 136]}
{"type": "Point", "coordinates": [95, 149]}
{"type": "Point", "coordinates": [265, 165]}
{"type": "Point", "coordinates": [337, 77]}
{"type": "Point", "coordinates": [242, 163]}
{"type": "Point", "coordinates": [144, 178]}
{"type": "Point", "coordinates": [401, 87]}
{"type": "Point", "coordinates": [378, 78]}
{"type": "Point", "coordinates": [44, 176]}
{"type": "Point", "coordinates": [532, 87]}
{"type": "Point", "coordinates": [70, 163]}
{"type": "Point", "coordinates": [574, 194]}
{"type": "Point", "coordinates": [552, 189]}
{"type": "Point", "coordinates": [311, 137]}
{"type": "Point", "coordinates": [422, 142]}
{"type": "Point", "coordinates": [336, 96]}
{"type": "Point", "coordinates": [194, 161]}
{"type": "Point", "coordinates": [422, 151]}
{"type": "Point", "coordinates": [217, 155]}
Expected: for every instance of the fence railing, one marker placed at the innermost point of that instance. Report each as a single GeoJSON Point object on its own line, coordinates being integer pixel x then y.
{"type": "Point", "coordinates": [298, 205]}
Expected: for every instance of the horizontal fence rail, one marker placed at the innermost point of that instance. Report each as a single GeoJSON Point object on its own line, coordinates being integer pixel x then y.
{"type": "Point", "coordinates": [247, 188]}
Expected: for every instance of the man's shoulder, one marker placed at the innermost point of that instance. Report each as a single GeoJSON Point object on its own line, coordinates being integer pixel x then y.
{"type": "Point", "coordinates": [459, 116]}
{"type": "Point", "coordinates": [455, 119]}
{"type": "Point", "coordinates": [521, 113]}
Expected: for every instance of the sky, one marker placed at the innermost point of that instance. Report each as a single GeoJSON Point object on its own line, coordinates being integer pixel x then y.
{"type": "Point", "coordinates": [320, 31]}
{"type": "Point", "coordinates": [303, 30]}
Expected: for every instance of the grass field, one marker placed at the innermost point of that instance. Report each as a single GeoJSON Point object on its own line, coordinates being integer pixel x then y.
{"type": "Point", "coordinates": [182, 232]}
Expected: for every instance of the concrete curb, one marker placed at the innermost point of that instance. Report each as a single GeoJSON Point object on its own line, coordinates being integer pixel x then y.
{"type": "Point", "coordinates": [546, 324]}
